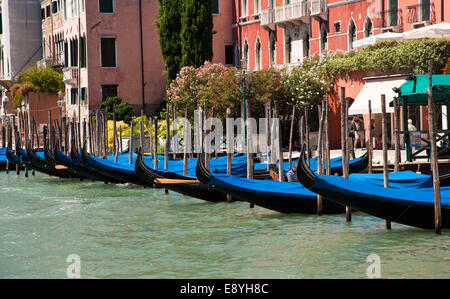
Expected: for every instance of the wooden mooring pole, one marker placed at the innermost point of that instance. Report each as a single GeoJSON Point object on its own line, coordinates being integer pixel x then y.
{"type": "Point", "coordinates": [370, 143]}
{"type": "Point", "coordinates": [344, 136]}
{"type": "Point", "coordinates": [385, 149]}
{"type": "Point", "coordinates": [434, 154]}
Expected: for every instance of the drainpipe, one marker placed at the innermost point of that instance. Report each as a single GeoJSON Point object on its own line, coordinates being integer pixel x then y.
{"type": "Point", "coordinates": [239, 32]}
{"type": "Point", "coordinates": [442, 11]}
{"type": "Point", "coordinates": [142, 56]}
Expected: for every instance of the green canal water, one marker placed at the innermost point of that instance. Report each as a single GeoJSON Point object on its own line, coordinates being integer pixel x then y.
{"type": "Point", "coordinates": [122, 231]}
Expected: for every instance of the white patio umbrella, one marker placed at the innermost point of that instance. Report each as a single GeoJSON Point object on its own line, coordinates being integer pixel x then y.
{"type": "Point", "coordinates": [439, 30]}
{"type": "Point", "coordinates": [375, 38]}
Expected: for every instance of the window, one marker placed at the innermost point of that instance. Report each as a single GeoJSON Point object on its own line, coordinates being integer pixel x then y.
{"type": "Point", "coordinates": [65, 9]}
{"type": "Point", "coordinates": [74, 52]}
{"type": "Point", "coordinates": [245, 56]}
{"type": "Point", "coordinates": [83, 52]}
{"type": "Point", "coordinates": [73, 96]}
{"type": "Point", "coordinates": [108, 91]}
{"type": "Point", "coordinates": [106, 6]}
{"type": "Point", "coordinates": [108, 51]}
{"type": "Point", "coordinates": [271, 4]}
{"type": "Point", "coordinates": [244, 8]}
{"type": "Point", "coordinates": [43, 13]}
{"type": "Point", "coordinates": [54, 7]}
{"type": "Point", "coordinates": [258, 55]}
{"type": "Point", "coordinates": [425, 10]}
{"type": "Point", "coordinates": [1, 23]}
{"type": "Point", "coordinates": [351, 34]}
{"type": "Point", "coordinates": [66, 54]}
{"type": "Point", "coordinates": [337, 27]}
{"type": "Point", "coordinates": [306, 49]}
{"type": "Point", "coordinates": [288, 47]}
{"type": "Point", "coordinates": [272, 50]}
{"type": "Point", "coordinates": [368, 28]}
{"type": "Point", "coordinates": [47, 11]}
{"type": "Point", "coordinates": [216, 7]}
{"type": "Point", "coordinates": [324, 40]}
{"type": "Point", "coordinates": [84, 95]}
{"type": "Point", "coordinates": [229, 54]}
{"type": "Point", "coordinates": [257, 6]}
{"type": "Point", "coordinates": [393, 12]}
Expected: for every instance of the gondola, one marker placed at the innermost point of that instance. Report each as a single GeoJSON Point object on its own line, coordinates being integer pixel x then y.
{"type": "Point", "coordinates": [41, 165]}
{"type": "Point", "coordinates": [197, 190]}
{"type": "Point", "coordinates": [67, 171]}
{"type": "Point", "coordinates": [408, 206]}
{"type": "Point", "coordinates": [115, 172]}
{"type": "Point", "coordinates": [73, 162]}
{"type": "Point", "coordinates": [283, 197]}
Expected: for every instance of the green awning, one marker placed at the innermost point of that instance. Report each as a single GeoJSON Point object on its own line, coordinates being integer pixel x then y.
{"type": "Point", "coordinates": [415, 89]}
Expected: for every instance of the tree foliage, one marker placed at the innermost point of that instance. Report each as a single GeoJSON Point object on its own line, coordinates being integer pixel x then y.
{"type": "Point", "coordinates": [196, 32]}
{"type": "Point", "coordinates": [211, 83]}
{"type": "Point", "coordinates": [393, 56]}
{"type": "Point", "coordinates": [45, 80]}
{"type": "Point", "coordinates": [123, 109]}
{"type": "Point", "coordinates": [169, 27]}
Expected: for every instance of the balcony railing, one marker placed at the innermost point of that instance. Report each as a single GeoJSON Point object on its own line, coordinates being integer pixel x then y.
{"type": "Point", "coordinates": [70, 75]}
{"type": "Point", "coordinates": [421, 13]}
{"type": "Point", "coordinates": [319, 7]}
{"type": "Point", "coordinates": [267, 17]}
{"type": "Point", "coordinates": [53, 61]}
{"type": "Point", "coordinates": [292, 13]}
{"type": "Point", "coordinates": [391, 19]}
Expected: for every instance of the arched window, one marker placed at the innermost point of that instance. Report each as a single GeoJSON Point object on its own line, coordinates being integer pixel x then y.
{"type": "Point", "coordinates": [306, 45]}
{"type": "Point", "coordinates": [368, 28]}
{"type": "Point", "coordinates": [351, 34]}
{"type": "Point", "coordinates": [244, 8]}
{"type": "Point", "coordinates": [272, 50]}
{"type": "Point", "coordinates": [323, 39]}
{"type": "Point", "coordinates": [288, 48]}
{"type": "Point", "coordinates": [245, 54]}
{"type": "Point", "coordinates": [257, 55]}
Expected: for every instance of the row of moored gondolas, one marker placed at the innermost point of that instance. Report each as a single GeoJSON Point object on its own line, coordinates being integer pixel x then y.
{"type": "Point", "coordinates": [408, 200]}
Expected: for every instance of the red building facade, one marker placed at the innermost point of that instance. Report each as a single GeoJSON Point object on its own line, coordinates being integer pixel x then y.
{"type": "Point", "coordinates": [281, 33]}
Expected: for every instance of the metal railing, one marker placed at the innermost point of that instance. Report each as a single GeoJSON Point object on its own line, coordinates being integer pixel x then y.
{"type": "Point", "coordinates": [421, 13]}
{"type": "Point", "coordinates": [390, 18]}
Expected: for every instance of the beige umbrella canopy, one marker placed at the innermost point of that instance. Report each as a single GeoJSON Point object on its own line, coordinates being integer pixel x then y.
{"type": "Point", "coordinates": [440, 30]}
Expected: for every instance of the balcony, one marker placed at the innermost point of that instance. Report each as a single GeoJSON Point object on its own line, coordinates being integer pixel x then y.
{"type": "Point", "coordinates": [319, 9]}
{"type": "Point", "coordinates": [53, 61]}
{"type": "Point", "coordinates": [421, 14]}
{"type": "Point", "coordinates": [70, 76]}
{"type": "Point", "coordinates": [268, 19]}
{"type": "Point", "coordinates": [390, 20]}
{"type": "Point", "coordinates": [292, 14]}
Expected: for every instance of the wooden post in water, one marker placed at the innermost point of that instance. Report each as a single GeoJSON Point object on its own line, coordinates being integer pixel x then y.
{"type": "Point", "coordinates": [250, 161]}
{"type": "Point", "coordinates": [90, 134]}
{"type": "Point", "coordinates": [166, 143]}
{"type": "Point", "coordinates": [327, 138]}
{"type": "Point", "coordinates": [105, 126]}
{"type": "Point", "coordinates": [186, 143]}
{"type": "Point", "coordinates": [397, 136]}
{"type": "Point", "coordinates": [230, 147]}
{"type": "Point", "coordinates": [320, 158]}
{"type": "Point", "coordinates": [50, 129]}
{"type": "Point", "coordinates": [150, 123]}
{"type": "Point", "coordinates": [155, 146]}
{"type": "Point", "coordinates": [174, 131]}
{"type": "Point", "coordinates": [278, 146]}
{"type": "Point", "coordinates": [370, 143]}
{"type": "Point", "coordinates": [344, 136]}
{"type": "Point", "coordinates": [385, 149]}
{"type": "Point", "coordinates": [97, 133]}
{"type": "Point", "coordinates": [268, 114]}
{"type": "Point", "coordinates": [434, 153]}
{"type": "Point", "coordinates": [114, 130]}
{"type": "Point", "coordinates": [291, 136]}
{"type": "Point", "coordinates": [308, 153]}
{"type": "Point", "coordinates": [131, 144]}
{"type": "Point", "coordinates": [120, 139]}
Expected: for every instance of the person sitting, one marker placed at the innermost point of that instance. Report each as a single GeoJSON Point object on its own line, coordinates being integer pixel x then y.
{"type": "Point", "coordinates": [292, 174]}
